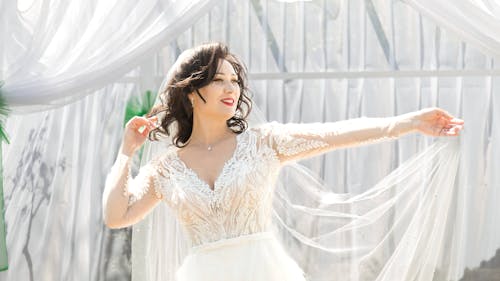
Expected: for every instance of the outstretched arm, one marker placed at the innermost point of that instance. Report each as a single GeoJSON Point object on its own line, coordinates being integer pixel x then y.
{"type": "Point", "coordinates": [298, 141]}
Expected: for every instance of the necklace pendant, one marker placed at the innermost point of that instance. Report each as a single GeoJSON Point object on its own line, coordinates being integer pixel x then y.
{"type": "Point", "coordinates": [209, 148]}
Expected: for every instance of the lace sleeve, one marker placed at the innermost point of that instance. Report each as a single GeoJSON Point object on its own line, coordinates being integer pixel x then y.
{"type": "Point", "coordinates": [127, 200]}
{"type": "Point", "coordinates": [151, 179]}
{"type": "Point", "coordinates": [294, 141]}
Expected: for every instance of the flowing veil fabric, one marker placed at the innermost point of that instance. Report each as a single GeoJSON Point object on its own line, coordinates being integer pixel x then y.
{"type": "Point", "coordinates": [158, 230]}
{"type": "Point", "coordinates": [405, 227]}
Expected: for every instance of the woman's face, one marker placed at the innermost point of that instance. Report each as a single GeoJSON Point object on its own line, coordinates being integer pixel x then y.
{"type": "Point", "coordinates": [221, 95]}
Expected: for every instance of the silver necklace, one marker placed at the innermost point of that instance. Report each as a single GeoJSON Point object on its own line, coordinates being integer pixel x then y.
{"type": "Point", "coordinates": [209, 146]}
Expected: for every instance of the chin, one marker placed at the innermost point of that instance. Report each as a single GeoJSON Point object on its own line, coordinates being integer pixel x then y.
{"type": "Point", "coordinates": [223, 114]}
{"type": "Point", "coordinates": [227, 114]}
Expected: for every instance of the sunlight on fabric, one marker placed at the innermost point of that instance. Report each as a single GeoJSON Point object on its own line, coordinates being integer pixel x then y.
{"type": "Point", "coordinates": [69, 42]}
{"type": "Point", "coordinates": [28, 12]}
{"type": "Point", "coordinates": [490, 7]}
{"type": "Point", "coordinates": [23, 5]}
{"type": "Point", "coordinates": [308, 61]}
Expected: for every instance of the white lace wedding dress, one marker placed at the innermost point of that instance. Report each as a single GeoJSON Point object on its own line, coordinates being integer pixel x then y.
{"type": "Point", "coordinates": [229, 228]}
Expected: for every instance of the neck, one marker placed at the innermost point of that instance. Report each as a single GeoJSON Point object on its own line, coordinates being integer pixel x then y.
{"type": "Point", "coordinates": [208, 132]}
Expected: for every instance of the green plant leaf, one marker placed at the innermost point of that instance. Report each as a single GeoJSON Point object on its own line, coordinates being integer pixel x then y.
{"type": "Point", "coordinates": [4, 113]}
{"type": "Point", "coordinates": [139, 106]}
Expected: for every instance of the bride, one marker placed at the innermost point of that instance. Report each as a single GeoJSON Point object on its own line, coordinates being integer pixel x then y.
{"type": "Point", "coordinates": [219, 175]}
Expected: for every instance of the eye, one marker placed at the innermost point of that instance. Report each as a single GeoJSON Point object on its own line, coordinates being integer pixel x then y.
{"type": "Point", "coordinates": [235, 81]}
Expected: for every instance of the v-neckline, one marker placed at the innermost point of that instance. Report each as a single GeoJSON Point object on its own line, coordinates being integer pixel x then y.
{"type": "Point", "coordinates": [206, 185]}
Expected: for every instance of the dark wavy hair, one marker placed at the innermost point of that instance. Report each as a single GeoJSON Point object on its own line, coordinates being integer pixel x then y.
{"type": "Point", "coordinates": [195, 69]}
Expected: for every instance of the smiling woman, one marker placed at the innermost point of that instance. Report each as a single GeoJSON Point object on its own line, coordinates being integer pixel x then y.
{"type": "Point", "coordinates": [219, 181]}
{"type": "Point", "coordinates": [216, 76]}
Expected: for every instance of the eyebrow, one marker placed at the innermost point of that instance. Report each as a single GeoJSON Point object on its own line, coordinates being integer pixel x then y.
{"type": "Point", "coordinates": [232, 74]}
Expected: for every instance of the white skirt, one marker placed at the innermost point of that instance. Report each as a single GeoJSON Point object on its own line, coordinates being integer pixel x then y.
{"type": "Point", "coordinates": [251, 257]}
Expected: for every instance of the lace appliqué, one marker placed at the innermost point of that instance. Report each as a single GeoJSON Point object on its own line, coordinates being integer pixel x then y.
{"type": "Point", "coordinates": [149, 175]}
{"type": "Point", "coordinates": [241, 200]}
{"type": "Point", "coordinates": [288, 140]}
{"type": "Point", "coordinates": [293, 139]}
{"type": "Point", "coordinates": [289, 146]}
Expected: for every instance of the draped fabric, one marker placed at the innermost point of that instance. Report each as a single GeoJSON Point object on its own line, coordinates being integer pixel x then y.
{"type": "Point", "coordinates": [405, 227]}
{"type": "Point", "coordinates": [382, 58]}
{"type": "Point", "coordinates": [475, 21]}
{"type": "Point", "coordinates": [53, 175]}
{"type": "Point", "coordinates": [55, 52]}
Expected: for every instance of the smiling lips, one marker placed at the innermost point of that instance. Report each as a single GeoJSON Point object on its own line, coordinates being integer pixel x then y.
{"type": "Point", "coordinates": [228, 101]}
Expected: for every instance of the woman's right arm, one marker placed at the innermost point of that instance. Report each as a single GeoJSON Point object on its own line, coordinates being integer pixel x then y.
{"type": "Point", "coordinates": [121, 207]}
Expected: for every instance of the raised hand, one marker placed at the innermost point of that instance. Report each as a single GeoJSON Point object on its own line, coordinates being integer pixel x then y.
{"type": "Point", "coordinates": [437, 122]}
{"type": "Point", "coordinates": [136, 133]}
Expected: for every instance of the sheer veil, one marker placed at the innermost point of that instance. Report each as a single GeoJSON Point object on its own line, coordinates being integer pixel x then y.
{"type": "Point", "coordinates": [405, 227]}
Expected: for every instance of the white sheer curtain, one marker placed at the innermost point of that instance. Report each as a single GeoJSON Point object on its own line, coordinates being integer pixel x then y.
{"type": "Point", "coordinates": [475, 21]}
{"type": "Point", "coordinates": [61, 59]}
{"type": "Point", "coordinates": [57, 161]}
{"type": "Point", "coordinates": [54, 52]}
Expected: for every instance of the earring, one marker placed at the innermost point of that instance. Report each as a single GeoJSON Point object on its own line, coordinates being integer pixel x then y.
{"type": "Point", "coordinates": [192, 102]}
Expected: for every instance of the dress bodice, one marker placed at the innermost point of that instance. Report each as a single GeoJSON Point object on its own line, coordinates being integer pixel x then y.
{"type": "Point", "coordinates": [240, 202]}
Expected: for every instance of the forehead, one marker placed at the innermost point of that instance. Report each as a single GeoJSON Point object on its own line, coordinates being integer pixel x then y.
{"type": "Point", "coordinates": [225, 67]}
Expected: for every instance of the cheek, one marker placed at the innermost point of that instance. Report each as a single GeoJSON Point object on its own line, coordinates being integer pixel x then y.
{"type": "Point", "coordinates": [210, 94]}
{"type": "Point", "coordinates": [238, 95]}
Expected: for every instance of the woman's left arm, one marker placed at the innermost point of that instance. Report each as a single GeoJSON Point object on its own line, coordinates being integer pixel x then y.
{"type": "Point", "coordinates": [298, 141]}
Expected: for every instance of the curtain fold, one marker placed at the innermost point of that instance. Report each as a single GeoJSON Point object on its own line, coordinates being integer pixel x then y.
{"type": "Point", "coordinates": [55, 52]}
{"type": "Point", "coordinates": [53, 187]}
{"type": "Point", "coordinates": [475, 21]}
{"type": "Point", "coordinates": [50, 181]}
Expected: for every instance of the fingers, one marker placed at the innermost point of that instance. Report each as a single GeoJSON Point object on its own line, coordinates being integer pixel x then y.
{"type": "Point", "coordinates": [151, 124]}
{"type": "Point", "coordinates": [448, 118]}
{"type": "Point", "coordinates": [457, 121]}
{"type": "Point", "coordinates": [138, 121]}
{"type": "Point", "coordinates": [153, 118]}
{"type": "Point", "coordinates": [143, 125]}
{"type": "Point", "coordinates": [451, 122]}
{"type": "Point", "coordinates": [452, 130]}
{"type": "Point", "coordinates": [442, 114]}
{"type": "Point", "coordinates": [438, 122]}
